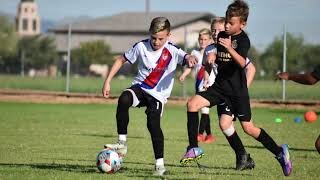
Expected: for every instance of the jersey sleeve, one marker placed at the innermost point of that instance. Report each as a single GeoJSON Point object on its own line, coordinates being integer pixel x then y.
{"type": "Point", "coordinates": [243, 47]}
{"type": "Point", "coordinates": [181, 54]}
{"type": "Point", "coordinates": [132, 54]}
{"type": "Point", "coordinates": [316, 72]}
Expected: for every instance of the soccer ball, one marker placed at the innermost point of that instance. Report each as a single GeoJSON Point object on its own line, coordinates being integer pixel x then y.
{"type": "Point", "coordinates": [108, 161]}
{"type": "Point", "coordinates": [310, 116]}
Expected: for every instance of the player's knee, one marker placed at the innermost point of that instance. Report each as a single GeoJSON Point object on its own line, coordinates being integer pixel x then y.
{"type": "Point", "coordinates": [229, 131]}
{"type": "Point", "coordinates": [251, 130]}
{"type": "Point", "coordinates": [192, 105]}
{"type": "Point", "coordinates": [125, 99]}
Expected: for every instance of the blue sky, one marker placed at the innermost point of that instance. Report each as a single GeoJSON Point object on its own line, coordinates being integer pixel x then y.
{"type": "Point", "coordinates": [266, 18]}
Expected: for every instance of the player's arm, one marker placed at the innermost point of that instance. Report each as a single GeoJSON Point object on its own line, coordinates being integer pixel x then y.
{"type": "Point", "coordinates": [119, 61]}
{"type": "Point", "coordinates": [307, 78]}
{"type": "Point", "coordinates": [226, 42]}
{"type": "Point", "coordinates": [191, 60]}
{"type": "Point", "coordinates": [250, 72]}
{"type": "Point", "coordinates": [185, 73]}
{"type": "Point", "coordinates": [206, 79]}
{"type": "Point", "coordinates": [210, 60]}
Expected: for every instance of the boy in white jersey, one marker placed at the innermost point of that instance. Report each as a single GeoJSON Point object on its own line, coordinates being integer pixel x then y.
{"type": "Point", "coordinates": [157, 60]}
{"type": "Point", "coordinates": [204, 40]}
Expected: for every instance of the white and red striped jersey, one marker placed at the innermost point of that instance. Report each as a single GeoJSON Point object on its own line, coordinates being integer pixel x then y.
{"type": "Point", "coordinates": [156, 68]}
{"type": "Point", "coordinates": [200, 66]}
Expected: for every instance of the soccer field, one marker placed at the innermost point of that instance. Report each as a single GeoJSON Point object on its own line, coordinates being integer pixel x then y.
{"type": "Point", "coordinates": [60, 141]}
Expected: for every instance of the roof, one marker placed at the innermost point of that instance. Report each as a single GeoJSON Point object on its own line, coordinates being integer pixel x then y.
{"type": "Point", "coordinates": [136, 22]}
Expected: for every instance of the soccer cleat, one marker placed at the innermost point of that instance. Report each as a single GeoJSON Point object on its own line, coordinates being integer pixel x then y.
{"type": "Point", "coordinates": [200, 137]}
{"type": "Point", "coordinates": [209, 139]}
{"type": "Point", "coordinates": [244, 162]}
{"type": "Point", "coordinates": [284, 160]}
{"type": "Point", "coordinates": [191, 155]}
{"type": "Point", "coordinates": [120, 147]}
{"type": "Point", "coordinates": [159, 170]}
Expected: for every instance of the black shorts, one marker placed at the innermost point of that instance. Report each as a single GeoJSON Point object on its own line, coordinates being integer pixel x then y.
{"type": "Point", "coordinates": [213, 95]}
{"type": "Point", "coordinates": [146, 100]}
{"type": "Point", "coordinates": [229, 104]}
{"type": "Point", "coordinates": [239, 106]}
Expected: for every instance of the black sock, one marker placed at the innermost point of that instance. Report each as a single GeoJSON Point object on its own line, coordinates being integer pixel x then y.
{"type": "Point", "coordinates": [206, 119]}
{"type": "Point", "coordinates": [203, 124]}
{"type": "Point", "coordinates": [269, 143]}
{"type": "Point", "coordinates": [236, 144]}
{"type": "Point", "coordinates": [192, 124]}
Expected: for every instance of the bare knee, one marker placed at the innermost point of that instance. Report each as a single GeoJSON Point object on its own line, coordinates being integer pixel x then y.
{"type": "Point", "coordinates": [193, 105]}
{"type": "Point", "coordinates": [250, 129]}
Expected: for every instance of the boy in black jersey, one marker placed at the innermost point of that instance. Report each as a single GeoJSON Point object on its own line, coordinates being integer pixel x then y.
{"type": "Point", "coordinates": [230, 87]}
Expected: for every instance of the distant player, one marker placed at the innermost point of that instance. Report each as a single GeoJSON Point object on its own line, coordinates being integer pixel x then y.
{"type": "Point", "coordinates": [230, 87]}
{"type": "Point", "coordinates": [204, 39]}
{"type": "Point", "coordinates": [157, 60]}
{"type": "Point", "coordinates": [308, 79]}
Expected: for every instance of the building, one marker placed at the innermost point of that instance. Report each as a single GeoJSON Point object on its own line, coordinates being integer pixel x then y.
{"type": "Point", "coordinates": [28, 19]}
{"type": "Point", "coordinates": [122, 30]}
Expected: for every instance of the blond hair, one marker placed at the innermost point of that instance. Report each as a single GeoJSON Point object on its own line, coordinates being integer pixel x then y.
{"type": "Point", "coordinates": [205, 31]}
{"type": "Point", "coordinates": [159, 24]}
{"type": "Point", "coordinates": [220, 20]}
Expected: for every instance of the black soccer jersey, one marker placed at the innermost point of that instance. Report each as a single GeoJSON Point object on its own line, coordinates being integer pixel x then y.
{"type": "Point", "coordinates": [316, 72]}
{"type": "Point", "coordinates": [231, 78]}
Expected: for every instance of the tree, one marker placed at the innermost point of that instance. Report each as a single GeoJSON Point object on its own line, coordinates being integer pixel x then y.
{"type": "Point", "coordinates": [39, 52]}
{"type": "Point", "coordinates": [94, 52]}
{"type": "Point", "coordinates": [299, 55]}
{"type": "Point", "coordinates": [8, 39]}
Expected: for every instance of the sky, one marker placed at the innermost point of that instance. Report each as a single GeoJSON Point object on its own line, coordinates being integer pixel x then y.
{"type": "Point", "coordinates": [266, 19]}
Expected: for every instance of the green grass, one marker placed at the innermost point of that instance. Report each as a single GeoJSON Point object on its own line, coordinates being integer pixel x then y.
{"type": "Point", "coordinates": [60, 141]}
{"type": "Point", "coordinates": [259, 90]}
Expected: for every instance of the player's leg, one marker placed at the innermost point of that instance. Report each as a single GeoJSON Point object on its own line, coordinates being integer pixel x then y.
{"type": "Point", "coordinates": [194, 104]}
{"type": "Point", "coordinates": [317, 144]}
{"type": "Point", "coordinates": [154, 111]}
{"type": "Point", "coordinates": [226, 118]}
{"type": "Point", "coordinates": [281, 152]}
{"type": "Point", "coordinates": [129, 97]}
{"type": "Point", "coordinates": [205, 118]}
{"type": "Point", "coordinates": [202, 127]}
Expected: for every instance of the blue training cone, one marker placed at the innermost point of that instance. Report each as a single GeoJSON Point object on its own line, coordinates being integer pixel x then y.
{"type": "Point", "coordinates": [297, 120]}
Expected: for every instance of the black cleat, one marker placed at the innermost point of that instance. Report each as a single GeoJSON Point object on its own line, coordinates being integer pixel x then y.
{"type": "Point", "coordinates": [244, 162]}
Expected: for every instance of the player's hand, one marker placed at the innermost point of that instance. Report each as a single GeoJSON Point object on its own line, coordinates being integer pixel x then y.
{"type": "Point", "coordinates": [182, 78]}
{"type": "Point", "coordinates": [211, 58]}
{"type": "Point", "coordinates": [192, 61]}
{"type": "Point", "coordinates": [205, 84]}
{"type": "Point", "coordinates": [225, 42]}
{"type": "Point", "coordinates": [283, 75]}
{"type": "Point", "coordinates": [106, 90]}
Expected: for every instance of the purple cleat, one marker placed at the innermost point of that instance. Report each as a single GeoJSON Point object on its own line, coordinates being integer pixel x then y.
{"type": "Point", "coordinates": [284, 160]}
{"type": "Point", "coordinates": [191, 155]}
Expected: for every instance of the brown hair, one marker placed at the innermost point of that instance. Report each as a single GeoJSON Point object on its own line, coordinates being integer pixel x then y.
{"type": "Point", "coordinates": [238, 8]}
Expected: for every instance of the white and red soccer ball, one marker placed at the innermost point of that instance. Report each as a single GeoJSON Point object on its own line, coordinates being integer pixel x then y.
{"type": "Point", "coordinates": [108, 161]}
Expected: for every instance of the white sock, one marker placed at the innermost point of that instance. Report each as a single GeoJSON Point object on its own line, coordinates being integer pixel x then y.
{"type": "Point", "coordinates": [159, 162]}
{"type": "Point", "coordinates": [123, 137]}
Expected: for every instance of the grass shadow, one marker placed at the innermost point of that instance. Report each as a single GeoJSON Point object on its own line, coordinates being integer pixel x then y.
{"type": "Point", "coordinates": [54, 166]}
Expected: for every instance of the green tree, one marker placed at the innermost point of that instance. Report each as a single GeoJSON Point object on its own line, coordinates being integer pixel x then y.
{"type": "Point", "coordinates": [8, 39]}
{"type": "Point", "coordinates": [297, 50]}
{"type": "Point", "coordinates": [38, 51]}
{"type": "Point", "coordinates": [94, 52]}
